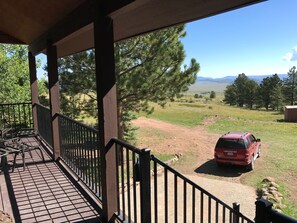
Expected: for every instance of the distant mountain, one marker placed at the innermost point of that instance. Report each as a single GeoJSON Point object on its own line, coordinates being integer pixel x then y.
{"type": "Point", "coordinates": [230, 79]}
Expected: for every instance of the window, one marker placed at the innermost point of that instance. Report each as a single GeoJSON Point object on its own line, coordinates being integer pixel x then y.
{"type": "Point", "coordinates": [231, 143]}
{"type": "Point", "coordinates": [252, 139]}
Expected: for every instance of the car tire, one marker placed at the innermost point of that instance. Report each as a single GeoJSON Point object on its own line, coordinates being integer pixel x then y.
{"type": "Point", "coordinates": [219, 164]}
{"type": "Point", "coordinates": [251, 166]}
{"type": "Point", "coordinates": [259, 152]}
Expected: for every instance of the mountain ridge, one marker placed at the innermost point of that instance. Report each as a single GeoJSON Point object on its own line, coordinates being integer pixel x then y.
{"type": "Point", "coordinates": [230, 79]}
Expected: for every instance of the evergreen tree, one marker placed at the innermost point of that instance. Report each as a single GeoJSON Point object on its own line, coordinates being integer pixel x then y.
{"type": "Point", "coordinates": [148, 69]}
{"type": "Point", "coordinates": [242, 92]}
{"type": "Point", "coordinates": [14, 74]}
{"type": "Point", "coordinates": [230, 95]}
{"type": "Point", "coordinates": [277, 97]}
{"type": "Point", "coordinates": [251, 90]}
{"type": "Point", "coordinates": [212, 94]}
{"type": "Point", "coordinates": [241, 85]}
{"type": "Point", "coordinates": [290, 87]}
{"type": "Point", "coordinates": [267, 89]}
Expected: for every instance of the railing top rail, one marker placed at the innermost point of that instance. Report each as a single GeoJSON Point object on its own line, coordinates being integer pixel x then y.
{"type": "Point", "coordinates": [276, 216]}
{"type": "Point", "coordinates": [78, 123]}
{"type": "Point", "coordinates": [9, 104]}
{"type": "Point", "coordinates": [191, 182]}
{"type": "Point", "coordinates": [42, 106]}
{"type": "Point", "coordinates": [126, 145]}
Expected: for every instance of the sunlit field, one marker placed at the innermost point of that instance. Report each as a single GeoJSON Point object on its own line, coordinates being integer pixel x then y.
{"type": "Point", "coordinates": [278, 137]}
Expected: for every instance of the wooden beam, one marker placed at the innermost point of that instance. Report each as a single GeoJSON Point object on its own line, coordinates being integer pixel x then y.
{"type": "Point", "coordinates": [54, 95]}
{"type": "Point", "coordinates": [5, 38]}
{"type": "Point", "coordinates": [34, 87]}
{"type": "Point", "coordinates": [112, 6]}
{"type": "Point", "coordinates": [107, 111]}
{"type": "Point", "coordinates": [80, 17]}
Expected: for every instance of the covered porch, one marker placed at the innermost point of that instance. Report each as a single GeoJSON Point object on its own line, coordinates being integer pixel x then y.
{"type": "Point", "coordinates": [92, 158]}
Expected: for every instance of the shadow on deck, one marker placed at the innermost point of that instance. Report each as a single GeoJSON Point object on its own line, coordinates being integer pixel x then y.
{"type": "Point", "coordinates": [44, 192]}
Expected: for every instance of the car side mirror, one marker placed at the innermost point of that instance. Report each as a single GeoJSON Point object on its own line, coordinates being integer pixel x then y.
{"type": "Point", "coordinates": [258, 140]}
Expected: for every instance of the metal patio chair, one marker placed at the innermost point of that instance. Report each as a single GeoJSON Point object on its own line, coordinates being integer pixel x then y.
{"type": "Point", "coordinates": [16, 147]}
{"type": "Point", "coordinates": [5, 128]}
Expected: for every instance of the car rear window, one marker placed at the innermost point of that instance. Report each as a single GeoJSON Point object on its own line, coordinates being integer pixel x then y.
{"type": "Point", "coordinates": [231, 143]}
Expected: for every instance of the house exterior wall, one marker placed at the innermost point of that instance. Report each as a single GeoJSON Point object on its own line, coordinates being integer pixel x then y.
{"type": "Point", "coordinates": [291, 113]}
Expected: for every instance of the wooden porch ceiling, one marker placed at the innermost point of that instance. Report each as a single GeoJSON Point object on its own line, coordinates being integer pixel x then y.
{"type": "Point", "coordinates": [68, 23]}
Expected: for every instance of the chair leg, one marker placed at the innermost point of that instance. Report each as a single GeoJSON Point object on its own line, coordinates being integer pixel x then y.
{"type": "Point", "coordinates": [24, 164]}
{"type": "Point", "coordinates": [30, 154]}
{"type": "Point", "coordinates": [41, 154]}
{"type": "Point", "coordinates": [14, 161]}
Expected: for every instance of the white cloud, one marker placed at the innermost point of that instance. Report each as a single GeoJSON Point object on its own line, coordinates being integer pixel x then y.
{"type": "Point", "coordinates": [288, 56]}
{"type": "Point", "coordinates": [291, 56]}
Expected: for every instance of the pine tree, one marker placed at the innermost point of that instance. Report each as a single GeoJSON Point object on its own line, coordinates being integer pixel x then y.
{"type": "Point", "coordinates": [290, 87]}
{"type": "Point", "coordinates": [267, 89]}
{"type": "Point", "coordinates": [148, 69]}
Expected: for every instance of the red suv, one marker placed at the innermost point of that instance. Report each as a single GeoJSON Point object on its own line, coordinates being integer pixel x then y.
{"type": "Point", "coordinates": [238, 148]}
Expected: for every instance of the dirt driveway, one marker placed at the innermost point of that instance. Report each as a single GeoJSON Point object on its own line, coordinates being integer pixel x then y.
{"type": "Point", "coordinates": [198, 144]}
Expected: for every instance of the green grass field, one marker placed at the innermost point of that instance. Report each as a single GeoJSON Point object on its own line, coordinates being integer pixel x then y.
{"type": "Point", "coordinates": [278, 136]}
{"type": "Point", "coordinates": [206, 86]}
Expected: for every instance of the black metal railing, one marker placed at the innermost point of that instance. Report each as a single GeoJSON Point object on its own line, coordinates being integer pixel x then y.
{"type": "Point", "coordinates": [133, 182]}
{"type": "Point", "coordinates": [178, 199]}
{"type": "Point", "coordinates": [151, 191]}
{"type": "Point", "coordinates": [16, 115]}
{"type": "Point", "coordinates": [80, 151]}
{"type": "Point", "coordinates": [265, 213]}
{"type": "Point", "coordinates": [44, 123]}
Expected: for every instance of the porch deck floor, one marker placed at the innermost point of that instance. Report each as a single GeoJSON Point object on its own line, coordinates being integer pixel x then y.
{"type": "Point", "coordinates": [42, 192]}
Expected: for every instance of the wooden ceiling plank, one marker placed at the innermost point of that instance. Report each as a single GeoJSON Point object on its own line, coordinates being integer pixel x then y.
{"type": "Point", "coordinates": [80, 17]}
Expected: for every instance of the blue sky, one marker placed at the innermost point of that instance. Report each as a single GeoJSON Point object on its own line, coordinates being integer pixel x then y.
{"type": "Point", "coordinates": [256, 40]}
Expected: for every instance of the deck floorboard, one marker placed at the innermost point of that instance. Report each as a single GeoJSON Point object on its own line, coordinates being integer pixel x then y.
{"type": "Point", "coordinates": [42, 192]}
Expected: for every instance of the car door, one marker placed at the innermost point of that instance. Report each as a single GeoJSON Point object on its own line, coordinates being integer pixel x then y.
{"type": "Point", "coordinates": [253, 146]}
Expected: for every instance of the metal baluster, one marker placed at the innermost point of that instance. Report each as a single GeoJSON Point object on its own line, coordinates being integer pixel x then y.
{"type": "Point", "coordinates": [185, 201]}
{"type": "Point", "coordinates": [117, 177]}
{"type": "Point", "coordinates": [166, 194]}
{"type": "Point", "coordinates": [193, 204]}
{"type": "Point", "coordinates": [156, 191]}
{"type": "Point", "coordinates": [175, 198]}
{"type": "Point", "coordinates": [217, 212]}
{"type": "Point", "coordinates": [209, 209]}
{"type": "Point", "coordinates": [201, 207]}
{"type": "Point", "coordinates": [134, 187]}
{"type": "Point", "coordinates": [128, 184]}
{"type": "Point", "coordinates": [123, 182]}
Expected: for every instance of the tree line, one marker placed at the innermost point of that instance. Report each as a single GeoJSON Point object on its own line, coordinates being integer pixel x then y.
{"type": "Point", "coordinates": [272, 93]}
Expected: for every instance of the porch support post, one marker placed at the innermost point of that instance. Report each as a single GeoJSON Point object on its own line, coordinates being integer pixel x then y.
{"type": "Point", "coordinates": [263, 208]}
{"type": "Point", "coordinates": [34, 87]}
{"type": "Point", "coordinates": [107, 110]}
{"type": "Point", "coordinates": [54, 96]}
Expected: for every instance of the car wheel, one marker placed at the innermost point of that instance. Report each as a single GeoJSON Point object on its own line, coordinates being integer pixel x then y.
{"type": "Point", "coordinates": [251, 166]}
{"type": "Point", "coordinates": [259, 152]}
{"type": "Point", "coordinates": [219, 164]}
